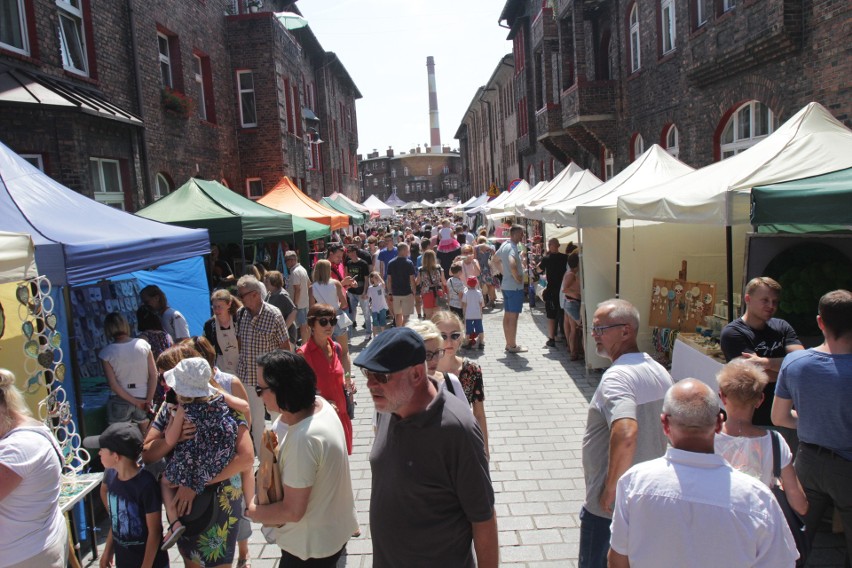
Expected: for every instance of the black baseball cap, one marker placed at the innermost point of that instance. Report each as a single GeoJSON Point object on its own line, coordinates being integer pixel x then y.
{"type": "Point", "coordinates": [123, 438]}
{"type": "Point", "coordinates": [393, 350]}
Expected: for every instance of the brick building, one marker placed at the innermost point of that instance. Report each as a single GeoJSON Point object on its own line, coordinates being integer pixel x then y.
{"type": "Point", "coordinates": [597, 82]}
{"type": "Point", "coordinates": [124, 100]}
{"type": "Point", "coordinates": [414, 176]}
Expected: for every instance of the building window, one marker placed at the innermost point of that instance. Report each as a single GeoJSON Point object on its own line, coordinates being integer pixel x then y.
{"type": "Point", "coordinates": [637, 146]}
{"type": "Point", "coordinates": [455, 184]}
{"type": "Point", "coordinates": [405, 171]}
{"type": "Point", "coordinates": [609, 165]}
{"type": "Point", "coordinates": [248, 111]}
{"type": "Point", "coordinates": [202, 74]}
{"type": "Point", "coordinates": [165, 61]}
{"type": "Point", "coordinates": [35, 159]}
{"type": "Point", "coordinates": [106, 182]}
{"type": "Point", "coordinates": [671, 141]}
{"type": "Point", "coordinates": [751, 123]}
{"type": "Point", "coordinates": [429, 170]}
{"type": "Point", "coordinates": [393, 173]}
{"type": "Point", "coordinates": [13, 26]}
{"type": "Point", "coordinates": [375, 182]}
{"type": "Point", "coordinates": [254, 188]}
{"type": "Point", "coordinates": [163, 186]}
{"type": "Point", "coordinates": [72, 39]}
{"type": "Point", "coordinates": [702, 12]}
{"type": "Point", "coordinates": [198, 74]}
{"type": "Point", "coordinates": [728, 5]}
{"type": "Point", "coordinates": [635, 54]}
{"type": "Point", "coordinates": [446, 170]}
{"type": "Point", "coordinates": [667, 9]}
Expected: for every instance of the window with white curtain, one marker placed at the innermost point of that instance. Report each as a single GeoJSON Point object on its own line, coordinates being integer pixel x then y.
{"type": "Point", "coordinates": [72, 39]}
{"type": "Point", "coordinates": [667, 10]}
{"type": "Point", "coordinates": [635, 52]}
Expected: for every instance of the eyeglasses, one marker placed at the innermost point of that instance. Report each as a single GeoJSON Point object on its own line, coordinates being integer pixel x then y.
{"type": "Point", "coordinates": [243, 295]}
{"type": "Point", "coordinates": [382, 378]}
{"type": "Point", "coordinates": [455, 336]}
{"type": "Point", "coordinates": [437, 353]}
{"type": "Point", "coordinates": [598, 330]}
{"type": "Point", "coordinates": [327, 321]}
{"type": "Point", "coordinates": [259, 390]}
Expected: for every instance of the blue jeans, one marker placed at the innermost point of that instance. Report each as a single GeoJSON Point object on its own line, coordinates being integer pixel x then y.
{"type": "Point", "coordinates": [354, 301]}
{"type": "Point", "coordinates": [594, 540]}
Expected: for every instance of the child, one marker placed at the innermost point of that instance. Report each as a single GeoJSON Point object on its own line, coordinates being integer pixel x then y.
{"type": "Point", "coordinates": [570, 303]}
{"type": "Point", "coordinates": [470, 266]}
{"type": "Point", "coordinates": [472, 304]}
{"type": "Point", "coordinates": [378, 303]}
{"type": "Point", "coordinates": [191, 466]}
{"type": "Point", "coordinates": [131, 498]}
{"type": "Point", "coordinates": [455, 288]}
{"type": "Point", "coordinates": [745, 446]}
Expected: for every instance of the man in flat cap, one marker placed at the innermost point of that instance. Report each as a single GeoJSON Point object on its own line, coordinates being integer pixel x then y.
{"type": "Point", "coordinates": [431, 490]}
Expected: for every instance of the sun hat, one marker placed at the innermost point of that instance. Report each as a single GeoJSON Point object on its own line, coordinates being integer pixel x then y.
{"type": "Point", "coordinates": [191, 378]}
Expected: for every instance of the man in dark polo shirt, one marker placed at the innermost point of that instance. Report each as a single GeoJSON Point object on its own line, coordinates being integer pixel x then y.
{"type": "Point", "coordinates": [431, 491]}
{"type": "Point", "coordinates": [400, 285]}
{"type": "Point", "coordinates": [359, 270]}
{"type": "Point", "coordinates": [763, 339]}
{"type": "Point", "coordinates": [553, 265]}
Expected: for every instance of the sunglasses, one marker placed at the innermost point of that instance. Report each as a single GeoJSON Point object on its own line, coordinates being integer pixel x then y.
{"type": "Point", "coordinates": [327, 321]}
{"type": "Point", "coordinates": [246, 294]}
{"type": "Point", "coordinates": [455, 336]}
{"type": "Point", "coordinates": [432, 354]}
{"type": "Point", "coordinates": [382, 378]}
{"type": "Point", "coordinates": [259, 390]}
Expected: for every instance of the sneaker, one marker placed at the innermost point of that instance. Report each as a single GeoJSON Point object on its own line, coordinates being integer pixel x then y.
{"type": "Point", "coordinates": [516, 349]}
{"type": "Point", "coordinates": [550, 343]}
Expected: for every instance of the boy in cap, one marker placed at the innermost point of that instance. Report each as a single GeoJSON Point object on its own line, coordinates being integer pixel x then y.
{"type": "Point", "coordinates": [131, 498]}
{"type": "Point", "coordinates": [472, 305]}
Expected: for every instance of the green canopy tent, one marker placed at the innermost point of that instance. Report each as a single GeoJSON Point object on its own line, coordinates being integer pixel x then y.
{"type": "Point", "coordinates": [355, 217]}
{"type": "Point", "coordinates": [229, 217]}
{"type": "Point", "coordinates": [820, 203]}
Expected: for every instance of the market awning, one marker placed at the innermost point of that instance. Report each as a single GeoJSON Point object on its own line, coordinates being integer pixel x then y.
{"type": "Point", "coordinates": [819, 200]}
{"type": "Point", "coordinates": [18, 86]}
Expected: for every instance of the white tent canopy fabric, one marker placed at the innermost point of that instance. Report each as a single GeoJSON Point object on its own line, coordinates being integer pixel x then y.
{"type": "Point", "coordinates": [543, 190]}
{"type": "Point", "coordinates": [375, 204]}
{"type": "Point", "coordinates": [496, 205]}
{"type": "Point", "coordinates": [353, 204]}
{"type": "Point", "coordinates": [811, 143]}
{"type": "Point", "coordinates": [597, 208]}
{"type": "Point", "coordinates": [469, 206]}
{"type": "Point", "coordinates": [17, 257]}
{"type": "Point", "coordinates": [575, 187]}
{"type": "Point", "coordinates": [504, 208]}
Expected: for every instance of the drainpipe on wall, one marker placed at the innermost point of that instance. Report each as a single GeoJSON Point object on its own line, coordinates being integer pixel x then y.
{"type": "Point", "coordinates": [143, 143]}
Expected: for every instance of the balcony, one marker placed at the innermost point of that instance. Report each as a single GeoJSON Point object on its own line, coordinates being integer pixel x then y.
{"type": "Point", "coordinates": [588, 113]}
{"type": "Point", "coordinates": [543, 28]}
{"type": "Point", "coordinates": [551, 134]}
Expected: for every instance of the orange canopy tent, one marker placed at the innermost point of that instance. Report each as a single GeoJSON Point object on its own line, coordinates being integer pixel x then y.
{"type": "Point", "coordinates": [288, 198]}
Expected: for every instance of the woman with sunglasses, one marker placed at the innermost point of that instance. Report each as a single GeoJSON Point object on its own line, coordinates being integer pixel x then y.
{"type": "Point", "coordinates": [469, 373]}
{"type": "Point", "coordinates": [434, 352]}
{"type": "Point", "coordinates": [328, 361]}
{"type": "Point", "coordinates": [326, 290]}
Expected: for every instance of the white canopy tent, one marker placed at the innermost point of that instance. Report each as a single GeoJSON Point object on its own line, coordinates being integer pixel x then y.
{"type": "Point", "coordinates": [575, 187]}
{"type": "Point", "coordinates": [501, 207]}
{"type": "Point", "coordinates": [17, 257]}
{"type": "Point", "coordinates": [375, 204]}
{"type": "Point", "coordinates": [543, 189]}
{"type": "Point", "coordinates": [353, 204]}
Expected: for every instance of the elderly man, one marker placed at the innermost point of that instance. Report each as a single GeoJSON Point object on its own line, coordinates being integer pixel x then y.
{"type": "Point", "coordinates": [622, 427]}
{"type": "Point", "coordinates": [513, 288]}
{"type": "Point", "coordinates": [690, 507]}
{"type": "Point", "coordinates": [431, 490]}
{"type": "Point", "coordinates": [818, 384]}
{"type": "Point", "coordinates": [260, 329]}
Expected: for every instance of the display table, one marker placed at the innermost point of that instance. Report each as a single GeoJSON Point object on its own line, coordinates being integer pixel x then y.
{"type": "Point", "coordinates": [689, 360]}
{"type": "Point", "coordinates": [71, 492]}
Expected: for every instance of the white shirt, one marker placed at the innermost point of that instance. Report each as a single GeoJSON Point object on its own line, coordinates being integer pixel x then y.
{"type": "Point", "coordinates": [299, 277]}
{"type": "Point", "coordinates": [378, 299]}
{"type": "Point", "coordinates": [752, 456]}
{"type": "Point", "coordinates": [175, 324]}
{"type": "Point", "coordinates": [692, 509]}
{"type": "Point", "coordinates": [472, 302]}
{"type": "Point", "coordinates": [129, 362]}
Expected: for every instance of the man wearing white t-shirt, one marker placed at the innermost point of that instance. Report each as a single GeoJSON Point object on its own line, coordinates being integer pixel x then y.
{"type": "Point", "coordinates": [297, 286]}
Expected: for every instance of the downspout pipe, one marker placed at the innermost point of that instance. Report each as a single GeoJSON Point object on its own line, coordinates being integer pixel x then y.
{"type": "Point", "coordinates": [143, 143]}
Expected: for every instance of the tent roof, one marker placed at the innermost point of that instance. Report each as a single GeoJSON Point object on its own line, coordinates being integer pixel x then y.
{"type": "Point", "coordinates": [497, 205]}
{"type": "Point", "coordinates": [374, 203]}
{"type": "Point", "coordinates": [597, 208]}
{"type": "Point", "coordinates": [286, 197]}
{"type": "Point", "coordinates": [17, 260]}
{"type": "Point", "coordinates": [77, 239]}
{"type": "Point", "coordinates": [394, 200]}
{"type": "Point", "coordinates": [565, 188]}
{"type": "Point", "coordinates": [337, 196]}
{"type": "Point", "coordinates": [472, 203]}
{"type": "Point", "coordinates": [812, 142]}
{"type": "Point", "coordinates": [356, 217]}
{"type": "Point", "coordinates": [543, 190]}
{"type": "Point", "coordinates": [820, 200]}
{"type": "Point", "coordinates": [230, 217]}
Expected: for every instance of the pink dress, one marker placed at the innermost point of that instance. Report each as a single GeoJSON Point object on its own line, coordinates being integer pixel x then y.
{"type": "Point", "coordinates": [447, 240]}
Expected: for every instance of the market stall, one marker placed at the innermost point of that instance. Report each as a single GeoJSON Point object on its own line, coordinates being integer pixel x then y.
{"type": "Point", "coordinates": [287, 198]}
{"type": "Point", "coordinates": [543, 189]}
{"type": "Point", "coordinates": [384, 210]}
{"type": "Point", "coordinates": [569, 189]}
{"type": "Point", "coordinates": [355, 217]}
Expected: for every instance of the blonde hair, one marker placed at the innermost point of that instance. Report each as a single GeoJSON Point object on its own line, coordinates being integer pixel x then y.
{"type": "Point", "coordinates": [426, 330]}
{"type": "Point", "coordinates": [446, 316]}
{"type": "Point", "coordinates": [742, 381]}
{"type": "Point", "coordinates": [12, 403]}
{"type": "Point", "coordinates": [223, 295]}
{"type": "Point", "coordinates": [115, 325]}
{"type": "Point", "coordinates": [375, 274]}
{"type": "Point", "coordinates": [322, 271]}
{"type": "Point", "coordinates": [430, 261]}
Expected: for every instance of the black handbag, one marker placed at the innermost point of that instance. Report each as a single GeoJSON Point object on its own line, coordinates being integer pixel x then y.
{"type": "Point", "coordinates": [794, 521]}
{"type": "Point", "coordinates": [201, 514]}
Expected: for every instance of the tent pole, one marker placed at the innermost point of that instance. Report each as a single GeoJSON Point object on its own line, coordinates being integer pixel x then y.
{"type": "Point", "coordinates": [243, 253]}
{"type": "Point", "coordinates": [71, 361]}
{"type": "Point", "coordinates": [729, 260]}
{"type": "Point", "coordinates": [617, 256]}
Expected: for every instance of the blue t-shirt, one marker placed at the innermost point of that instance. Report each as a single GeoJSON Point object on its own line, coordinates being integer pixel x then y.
{"type": "Point", "coordinates": [506, 251]}
{"type": "Point", "coordinates": [129, 503]}
{"type": "Point", "coordinates": [820, 386]}
{"type": "Point", "coordinates": [399, 270]}
{"type": "Point", "coordinates": [385, 256]}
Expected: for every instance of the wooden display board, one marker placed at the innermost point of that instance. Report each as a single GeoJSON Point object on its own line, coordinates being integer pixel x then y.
{"type": "Point", "coordinates": [680, 304]}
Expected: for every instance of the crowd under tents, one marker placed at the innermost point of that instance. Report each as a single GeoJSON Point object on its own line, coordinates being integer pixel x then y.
{"type": "Point", "coordinates": [288, 198]}
{"type": "Point", "coordinates": [384, 210]}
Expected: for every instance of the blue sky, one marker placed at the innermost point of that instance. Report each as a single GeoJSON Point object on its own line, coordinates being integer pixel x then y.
{"type": "Point", "coordinates": [384, 45]}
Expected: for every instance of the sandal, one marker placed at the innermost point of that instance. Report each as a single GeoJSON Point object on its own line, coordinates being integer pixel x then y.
{"type": "Point", "coordinates": [244, 563]}
{"type": "Point", "coordinates": [172, 535]}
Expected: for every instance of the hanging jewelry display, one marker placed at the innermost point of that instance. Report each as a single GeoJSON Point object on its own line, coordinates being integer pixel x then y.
{"type": "Point", "coordinates": [44, 367]}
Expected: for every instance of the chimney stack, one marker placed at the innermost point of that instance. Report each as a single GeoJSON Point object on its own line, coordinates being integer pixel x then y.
{"type": "Point", "coordinates": [434, 126]}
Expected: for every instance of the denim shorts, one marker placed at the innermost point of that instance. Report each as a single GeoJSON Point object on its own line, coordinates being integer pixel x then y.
{"type": "Point", "coordinates": [571, 307]}
{"type": "Point", "coordinates": [380, 318]}
{"type": "Point", "coordinates": [473, 326]}
{"type": "Point", "coordinates": [301, 317]}
{"type": "Point", "coordinates": [119, 410]}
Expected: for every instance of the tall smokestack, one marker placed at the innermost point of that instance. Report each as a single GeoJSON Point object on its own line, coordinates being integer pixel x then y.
{"type": "Point", "coordinates": [434, 125]}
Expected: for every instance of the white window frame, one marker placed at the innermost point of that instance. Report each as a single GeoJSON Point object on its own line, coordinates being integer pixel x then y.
{"type": "Point", "coordinates": [669, 25]}
{"type": "Point", "coordinates": [393, 173]}
{"type": "Point", "coordinates": [635, 40]}
{"type": "Point", "coordinates": [249, 185]}
{"type": "Point", "coordinates": [161, 183]}
{"type": "Point", "coordinates": [429, 170]}
{"type": "Point", "coordinates": [241, 92]}
{"type": "Point", "coordinates": [673, 141]}
{"type": "Point", "coordinates": [111, 198]}
{"type": "Point", "coordinates": [24, 49]}
{"type": "Point", "coordinates": [728, 5]}
{"type": "Point", "coordinates": [405, 171]}
{"type": "Point", "coordinates": [744, 118]}
{"type": "Point", "coordinates": [165, 59]}
{"type": "Point", "coordinates": [198, 74]}
{"type": "Point", "coordinates": [702, 12]}
{"type": "Point", "coordinates": [35, 159]}
{"type": "Point", "coordinates": [72, 12]}
{"type": "Point", "coordinates": [638, 146]}
{"type": "Point", "coordinates": [609, 164]}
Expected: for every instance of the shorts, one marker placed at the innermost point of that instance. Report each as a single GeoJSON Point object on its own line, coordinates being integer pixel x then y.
{"type": "Point", "coordinates": [380, 318]}
{"type": "Point", "coordinates": [571, 307]}
{"type": "Point", "coordinates": [552, 309]}
{"type": "Point", "coordinates": [513, 301]}
{"type": "Point", "coordinates": [473, 326]}
{"type": "Point", "coordinates": [339, 330]}
{"type": "Point", "coordinates": [302, 317]}
{"type": "Point", "coordinates": [403, 305]}
{"type": "Point", "coordinates": [428, 300]}
{"type": "Point", "coordinates": [119, 410]}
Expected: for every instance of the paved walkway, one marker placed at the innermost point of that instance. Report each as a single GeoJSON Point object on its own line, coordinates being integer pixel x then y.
{"type": "Point", "coordinates": [536, 404]}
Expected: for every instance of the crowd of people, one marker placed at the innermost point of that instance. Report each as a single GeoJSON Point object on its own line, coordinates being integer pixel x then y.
{"type": "Point", "coordinates": [666, 464]}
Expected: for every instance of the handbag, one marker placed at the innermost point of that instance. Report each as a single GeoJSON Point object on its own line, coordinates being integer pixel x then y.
{"type": "Point", "coordinates": [794, 521]}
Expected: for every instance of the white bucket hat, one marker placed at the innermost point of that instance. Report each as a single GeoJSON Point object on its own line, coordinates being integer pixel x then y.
{"type": "Point", "coordinates": [191, 378]}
